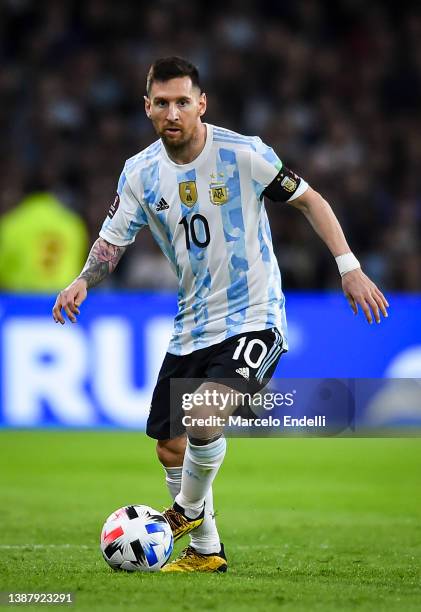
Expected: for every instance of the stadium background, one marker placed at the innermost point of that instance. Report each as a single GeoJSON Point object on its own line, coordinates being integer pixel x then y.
{"type": "Point", "coordinates": [335, 88]}
{"type": "Point", "coordinates": [336, 91]}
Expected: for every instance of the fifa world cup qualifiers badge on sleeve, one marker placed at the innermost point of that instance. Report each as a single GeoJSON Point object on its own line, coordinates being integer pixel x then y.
{"type": "Point", "coordinates": [114, 206]}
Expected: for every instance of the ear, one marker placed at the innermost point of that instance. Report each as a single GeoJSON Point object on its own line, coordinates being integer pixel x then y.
{"type": "Point", "coordinates": [147, 106]}
{"type": "Point", "coordinates": [202, 104]}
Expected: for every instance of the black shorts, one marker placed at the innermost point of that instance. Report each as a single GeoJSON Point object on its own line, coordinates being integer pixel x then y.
{"type": "Point", "coordinates": [245, 362]}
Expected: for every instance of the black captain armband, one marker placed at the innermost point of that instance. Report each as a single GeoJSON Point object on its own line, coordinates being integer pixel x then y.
{"type": "Point", "coordinates": [283, 186]}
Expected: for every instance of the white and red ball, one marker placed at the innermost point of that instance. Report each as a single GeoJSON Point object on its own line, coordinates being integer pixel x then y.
{"type": "Point", "coordinates": [136, 539]}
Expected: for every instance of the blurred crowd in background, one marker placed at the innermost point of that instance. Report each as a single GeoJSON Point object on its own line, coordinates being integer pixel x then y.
{"type": "Point", "coordinates": [335, 88]}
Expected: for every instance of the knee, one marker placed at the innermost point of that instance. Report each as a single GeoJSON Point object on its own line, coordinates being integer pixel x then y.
{"type": "Point", "coordinates": [171, 452]}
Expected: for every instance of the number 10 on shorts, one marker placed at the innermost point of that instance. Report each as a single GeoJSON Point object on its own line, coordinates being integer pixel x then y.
{"type": "Point", "coordinates": [246, 349]}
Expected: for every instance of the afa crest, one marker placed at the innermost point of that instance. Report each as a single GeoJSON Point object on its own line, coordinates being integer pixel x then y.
{"type": "Point", "coordinates": [218, 191]}
{"type": "Point", "coordinates": [218, 194]}
{"type": "Point", "coordinates": [188, 192]}
{"type": "Point", "coordinates": [289, 184]}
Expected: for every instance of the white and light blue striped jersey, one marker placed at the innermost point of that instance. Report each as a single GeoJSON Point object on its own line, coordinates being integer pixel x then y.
{"type": "Point", "coordinates": [209, 219]}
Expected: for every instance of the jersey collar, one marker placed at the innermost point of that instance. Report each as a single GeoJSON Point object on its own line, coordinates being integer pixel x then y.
{"type": "Point", "coordinates": [200, 159]}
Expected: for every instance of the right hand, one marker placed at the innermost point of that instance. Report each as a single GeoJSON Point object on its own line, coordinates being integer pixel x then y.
{"type": "Point", "coordinates": [69, 300]}
{"type": "Point", "coordinates": [360, 290]}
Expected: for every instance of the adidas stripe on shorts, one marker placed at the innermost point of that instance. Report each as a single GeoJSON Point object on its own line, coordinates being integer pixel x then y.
{"type": "Point", "coordinates": [245, 362]}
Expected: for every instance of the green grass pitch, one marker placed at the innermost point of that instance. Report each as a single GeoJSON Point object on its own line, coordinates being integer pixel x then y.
{"type": "Point", "coordinates": [308, 524]}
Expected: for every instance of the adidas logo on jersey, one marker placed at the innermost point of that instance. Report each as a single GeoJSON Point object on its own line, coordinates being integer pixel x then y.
{"type": "Point", "coordinates": [162, 205]}
{"type": "Point", "coordinates": [244, 372]}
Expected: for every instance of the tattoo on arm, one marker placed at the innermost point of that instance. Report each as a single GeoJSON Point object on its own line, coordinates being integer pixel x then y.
{"type": "Point", "coordinates": [102, 260]}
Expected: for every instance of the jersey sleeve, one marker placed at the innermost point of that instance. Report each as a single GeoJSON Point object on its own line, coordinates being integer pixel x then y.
{"type": "Point", "coordinates": [267, 168]}
{"type": "Point", "coordinates": [125, 216]}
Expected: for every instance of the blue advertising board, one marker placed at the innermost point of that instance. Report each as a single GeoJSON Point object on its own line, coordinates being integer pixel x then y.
{"type": "Point", "coordinates": [101, 371]}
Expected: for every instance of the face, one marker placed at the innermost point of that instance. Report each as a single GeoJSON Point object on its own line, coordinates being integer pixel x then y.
{"type": "Point", "coordinates": [175, 108]}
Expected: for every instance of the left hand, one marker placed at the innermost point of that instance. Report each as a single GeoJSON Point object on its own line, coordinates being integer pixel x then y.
{"type": "Point", "coordinates": [359, 289]}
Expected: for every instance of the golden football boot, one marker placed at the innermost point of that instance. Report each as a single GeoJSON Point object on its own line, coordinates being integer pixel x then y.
{"type": "Point", "coordinates": [192, 561]}
{"type": "Point", "coordinates": [180, 524]}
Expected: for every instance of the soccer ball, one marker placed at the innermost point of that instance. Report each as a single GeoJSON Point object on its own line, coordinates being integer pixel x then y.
{"type": "Point", "coordinates": [136, 539]}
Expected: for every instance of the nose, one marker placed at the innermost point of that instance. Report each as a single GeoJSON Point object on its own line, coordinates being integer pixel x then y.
{"type": "Point", "coordinates": [172, 114]}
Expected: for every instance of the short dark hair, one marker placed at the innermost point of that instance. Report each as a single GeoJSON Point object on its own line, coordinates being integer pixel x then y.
{"type": "Point", "coordinates": [167, 68]}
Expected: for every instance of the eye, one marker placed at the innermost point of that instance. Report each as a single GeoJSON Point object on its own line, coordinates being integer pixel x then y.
{"type": "Point", "coordinates": [160, 103]}
{"type": "Point", "coordinates": [183, 102]}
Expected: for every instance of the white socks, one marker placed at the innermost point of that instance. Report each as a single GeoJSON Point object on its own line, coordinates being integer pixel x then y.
{"type": "Point", "coordinates": [200, 466]}
{"type": "Point", "coordinates": [173, 479]}
{"type": "Point", "coordinates": [205, 539]}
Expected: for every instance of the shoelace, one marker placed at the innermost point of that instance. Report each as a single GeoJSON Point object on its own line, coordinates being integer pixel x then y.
{"type": "Point", "coordinates": [190, 552]}
{"type": "Point", "coordinates": [175, 519]}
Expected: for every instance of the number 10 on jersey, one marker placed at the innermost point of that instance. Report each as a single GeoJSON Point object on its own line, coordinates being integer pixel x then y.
{"type": "Point", "coordinates": [196, 224]}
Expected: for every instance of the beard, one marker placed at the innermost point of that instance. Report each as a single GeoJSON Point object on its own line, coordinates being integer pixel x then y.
{"type": "Point", "coordinates": [170, 143]}
{"type": "Point", "coordinates": [175, 144]}
{"type": "Point", "coordinates": [179, 144]}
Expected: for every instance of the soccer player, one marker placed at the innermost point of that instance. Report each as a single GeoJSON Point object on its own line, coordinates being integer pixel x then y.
{"type": "Point", "coordinates": [200, 189]}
